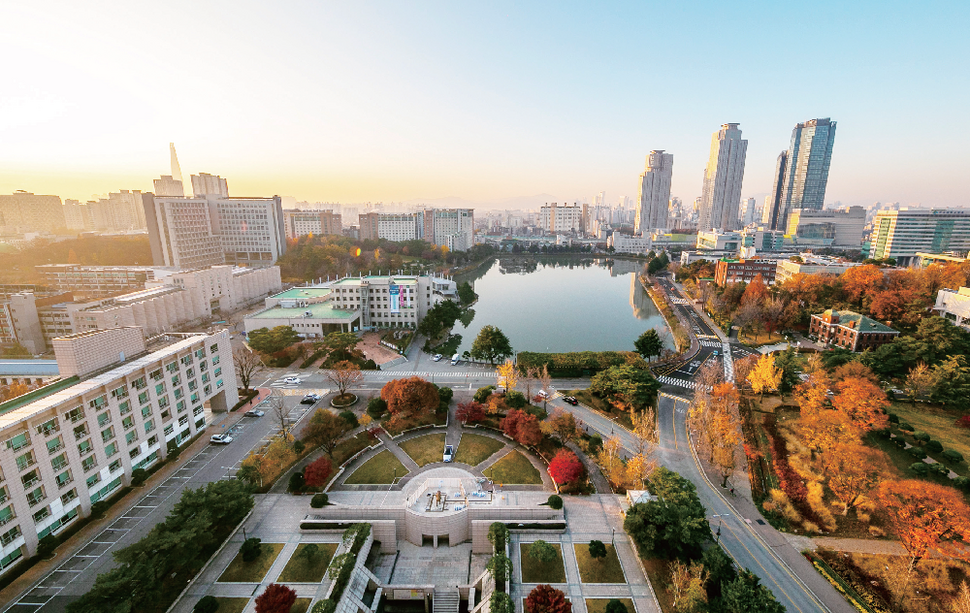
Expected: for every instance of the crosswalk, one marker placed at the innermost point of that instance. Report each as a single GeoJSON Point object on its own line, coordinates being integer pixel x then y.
{"type": "Point", "coordinates": [677, 382]}
{"type": "Point", "coordinates": [706, 343]}
{"type": "Point", "coordinates": [702, 336]}
{"type": "Point", "coordinates": [680, 301]}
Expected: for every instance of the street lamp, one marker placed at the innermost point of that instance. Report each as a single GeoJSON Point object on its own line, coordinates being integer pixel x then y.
{"type": "Point", "coordinates": [720, 518]}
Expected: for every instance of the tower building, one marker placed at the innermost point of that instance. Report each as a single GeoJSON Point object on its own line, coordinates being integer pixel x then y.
{"type": "Point", "coordinates": [653, 211]}
{"type": "Point", "coordinates": [721, 195]}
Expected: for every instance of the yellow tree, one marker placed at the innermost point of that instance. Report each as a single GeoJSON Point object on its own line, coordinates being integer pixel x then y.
{"type": "Point", "coordinates": [919, 381]}
{"type": "Point", "coordinates": [687, 586]}
{"type": "Point", "coordinates": [822, 430]}
{"type": "Point", "coordinates": [508, 375]}
{"type": "Point", "coordinates": [853, 471]}
{"type": "Point", "coordinates": [562, 425]}
{"type": "Point", "coordinates": [765, 376]}
{"type": "Point", "coordinates": [863, 402]}
{"type": "Point", "coordinates": [726, 444]}
{"type": "Point", "coordinates": [638, 469]}
{"type": "Point", "coordinates": [609, 459]}
{"type": "Point", "coordinates": [644, 430]}
{"type": "Point", "coordinates": [812, 396]}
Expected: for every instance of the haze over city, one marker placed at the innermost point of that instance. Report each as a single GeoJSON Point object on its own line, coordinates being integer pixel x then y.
{"type": "Point", "coordinates": [480, 102]}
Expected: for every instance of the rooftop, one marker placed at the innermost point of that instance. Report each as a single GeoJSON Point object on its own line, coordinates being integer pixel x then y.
{"type": "Point", "coordinates": [402, 280]}
{"type": "Point", "coordinates": [863, 323]}
{"type": "Point", "coordinates": [31, 368]}
{"type": "Point", "coordinates": [303, 292]}
{"type": "Point", "coordinates": [320, 310]}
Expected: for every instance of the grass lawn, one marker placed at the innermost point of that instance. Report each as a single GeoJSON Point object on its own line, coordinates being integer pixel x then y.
{"type": "Point", "coordinates": [658, 572]}
{"type": "Point", "coordinates": [526, 608]}
{"type": "Point", "coordinates": [298, 571]}
{"type": "Point", "coordinates": [601, 570]}
{"type": "Point", "coordinates": [514, 468]}
{"type": "Point", "coordinates": [475, 448]}
{"type": "Point", "coordinates": [937, 423]}
{"type": "Point", "coordinates": [598, 605]}
{"type": "Point", "coordinates": [401, 425]}
{"type": "Point", "coordinates": [252, 572]}
{"type": "Point", "coordinates": [300, 606]}
{"type": "Point", "coordinates": [379, 469]}
{"type": "Point", "coordinates": [232, 605]}
{"type": "Point", "coordinates": [425, 449]}
{"type": "Point", "coordinates": [601, 406]}
{"type": "Point", "coordinates": [534, 572]}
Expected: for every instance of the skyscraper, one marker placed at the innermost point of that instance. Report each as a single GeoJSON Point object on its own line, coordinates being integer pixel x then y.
{"type": "Point", "coordinates": [204, 184]}
{"type": "Point", "coordinates": [747, 215]}
{"type": "Point", "coordinates": [770, 214]}
{"type": "Point", "coordinates": [802, 175]}
{"type": "Point", "coordinates": [654, 193]}
{"type": "Point", "coordinates": [722, 179]}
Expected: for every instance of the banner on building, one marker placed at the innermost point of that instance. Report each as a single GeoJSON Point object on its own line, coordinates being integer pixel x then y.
{"type": "Point", "coordinates": [395, 292]}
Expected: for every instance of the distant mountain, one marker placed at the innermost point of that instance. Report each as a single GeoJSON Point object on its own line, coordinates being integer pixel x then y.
{"type": "Point", "coordinates": [518, 202]}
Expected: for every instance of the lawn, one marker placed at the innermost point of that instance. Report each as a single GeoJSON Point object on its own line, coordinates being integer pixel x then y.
{"type": "Point", "coordinates": [297, 569]}
{"type": "Point", "coordinates": [514, 468]}
{"type": "Point", "coordinates": [534, 572]}
{"type": "Point", "coordinates": [598, 605]}
{"type": "Point", "coordinates": [400, 425]}
{"type": "Point", "coordinates": [475, 448]}
{"type": "Point", "coordinates": [380, 469]}
{"type": "Point", "coordinates": [232, 605]}
{"type": "Point", "coordinates": [425, 449]}
{"type": "Point", "coordinates": [252, 572]}
{"type": "Point", "coordinates": [937, 423]}
{"type": "Point", "coordinates": [601, 570]}
{"type": "Point", "coordinates": [300, 606]}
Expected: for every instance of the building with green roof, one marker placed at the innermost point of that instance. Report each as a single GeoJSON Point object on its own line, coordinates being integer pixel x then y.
{"type": "Point", "coordinates": [849, 330]}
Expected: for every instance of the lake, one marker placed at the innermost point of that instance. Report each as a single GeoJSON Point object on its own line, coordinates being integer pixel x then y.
{"type": "Point", "coordinates": [560, 304]}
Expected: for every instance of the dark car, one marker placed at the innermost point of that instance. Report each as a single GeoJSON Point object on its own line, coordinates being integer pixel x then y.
{"type": "Point", "coordinates": [571, 400]}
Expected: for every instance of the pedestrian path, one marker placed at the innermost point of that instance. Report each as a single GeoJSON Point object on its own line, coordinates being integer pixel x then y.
{"type": "Point", "coordinates": [666, 380]}
{"type": "Point", "coordinates": [710, 343]}
{"type": "Point", "coordinates": [428, 374]}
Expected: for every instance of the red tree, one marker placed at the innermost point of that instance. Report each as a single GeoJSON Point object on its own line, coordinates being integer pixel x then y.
{"type": "Point", "coordinates": [470, 412]}
{"type": "Point", "coordinates": [276, 599]}
{"type": "Point", "coordinates": [521, 427]}
{"type": "Point", "coordinates": [547, 599]}
{"type": "Point", "coordinates": [317, 472]}
{"type": "Point", "coordinates": [566, 467]}
{"type": "Point", "coordinates": [412, 396]}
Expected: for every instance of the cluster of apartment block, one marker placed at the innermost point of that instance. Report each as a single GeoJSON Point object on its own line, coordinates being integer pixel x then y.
{"type": "Point", "coordinates": [453, 228]}
{"type": "Point", "coordinates": [118, 406]}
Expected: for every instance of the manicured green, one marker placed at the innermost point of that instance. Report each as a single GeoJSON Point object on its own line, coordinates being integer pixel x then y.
{"type": "Point", "coordinates": [298, 570]}
{"type": "Point", "coordinates": [301, 605]}
{"type": "Point", "coordinates": [232, 605]}
{"type": "Point", "coordinates": [514, 468]}
{"type": "Point", "coordinates": [935, 422]}
{"type": "Point", "coordinates": [255, 571]}
{"type": "Point", "coordinates": [601, 570]}
{"type": "Point", "coordinates": [425, 449]}
{"type": "Point", "coordinates": [475, 448]}
{"type": "Point", "coordinates": [536, 572]}
{"type": "Point", "coordinates": [598, 605]}
{"type": "Point", "coordinates": [379, 469]}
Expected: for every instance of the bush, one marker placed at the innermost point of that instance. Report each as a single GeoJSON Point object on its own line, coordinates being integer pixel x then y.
{"type": "Point", "coordinates": [445, 394]}
{"type": "Point", "coordinates": [138, 476]}
{"type": "Point", "coordinates": [963, 422]}
{"type": "Point", "coordinates": [921, 436]}
{"type": "Point", "coordinates": [317, 472]}
{"type": "Point", "coordinates": [893, 418]}
{"type": "Point", "coordinates": [296, 483]}
{"type": "Point", "coordinates": [319, 501]}
{"type": "Point", "coordinates": [934, 446]}
{"type": "Point", "coordinates": [483, 393]}
{"type": "Point", "coordinates": [515, 399]}
{"type": "Point", "coordinates": [905, 426]}
{"type": "Point", "coordinates": [250, 549]}
{"type": "Point", "coordinates": [554, 502]}
{"type": "Point", "coordinates": [376, 407]}
{"type": "Point", "coordinates": [46, 546]}
{"type": "Point", "coordinates": [538, 412]}
{"type": "Point", "coordinates": [98, 509]}
{"type": "Point", "coordinates": [963, 483]}
{"type": "Point", "coordinates": [206, 604]}
{"type": "Point", "coordinates": [899, 442]}
{"type": "Point", "coordinates": [350, 418]}
{"type": "Point", "coordinates": [920, 468]}
{"type": "Point", "coordinates": [595, 443]}
{"type": "Point", "coordinates": [298, 446]}
{"type": "Point", "coordinates": [940, 469]}
{"type": "Point", "coordinates": [952, 456]}
{"type": "Point", "coordinates": [615, 606]}
{"type": "Point", "coordinates": [916, 452]}
{"type": "Point", "coordinates": [324, 606]}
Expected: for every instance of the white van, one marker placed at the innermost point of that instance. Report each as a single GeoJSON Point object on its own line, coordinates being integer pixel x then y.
{"type": "Point", "coordinates": [455, 359]}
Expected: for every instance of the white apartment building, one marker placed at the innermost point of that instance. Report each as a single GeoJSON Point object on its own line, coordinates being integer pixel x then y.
{"type": "Point", "coordinates": [811, 265]}
{"type": "Point", "coordinates": [250, 230]}
{"type": "Point", "coordinates": [721, 194]}
{"type": "Point", "coordinates": [26, 212]}
{"type": "Point", "coordinates": [654, 209]}
{"type": "Point", "coordinates": [297, 223]}
{"type": "Point", "coordinates": [205, 185]}
{"type": "Point", "coordinates": [554, 218]}
{"type": "Point", "coordinates": [391, 226]}
{"type": "Point", "coordinates": [168, 187]}
{"type": "Point", "coordinates": [116, 408]}
{"type": "Point", "coordinates": [843, 226]}
{"type": "Point", "coordinates": [454, 228]}
{"type": "Point", "coordinates": [954, 305]}
{"type": "Point", "coordinates": [902, 234]}
{"type": "Point", "coordinates": [719, 241]}
{"type": "Point", "coordinates": [624, 243]}
{"type": "Point", "coordinates": [97, 281]}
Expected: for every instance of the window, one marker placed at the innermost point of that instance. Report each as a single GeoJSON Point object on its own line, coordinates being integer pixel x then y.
{"type": "Point", "coordinates": [156, 375]}
{"type": "Point", "coordinates": [215, 360]}
{"type": "Point", "coordinates": [152, 441]}
{"type": "Point", "coordinates": [87, 463]}
{"type": "Point", "coordinates": [18, 442]}
{"type": "Point", "coordinates": [163, 402]}
{"type": "Point", "coordinates": [195, 398]}
{"type": "Point", "coordinates": [183, 420]}
{"type": "Point", "coordinates": [217, 372]}
{"type": "Point", "coordinates": [110, 450]}
{"type": "Point", "coordinates": [54, 445]}
{"type": "Point", "coordinates": [180, 406]}
{"type": "Point", "coordinates": [41, 515]}
{"type": "Point", "coordinates": [64, 478]}
{"type": "Point", "coordinates": [200, 353]}
{"type": "Point", "coordinates": [178, 393]}
{"type": "Point", "coordinates": [48, 427]}
{"type": "Point", "coordinates": [207, 390]}
{"type": "Point", "coordinates": [26, 460]}
{"type": "Point", "coordinates": [169, 429]}
{"type": "Point", "coordinates": [59, 462]}
{"type": "Point", "coordinates": [146, 412]}
{"type": "Point", "coordinates": [120, 392]}
{"type": "Point", "coordinates": [203, 367]}
{"type": "Point", "coordinates": [149, 426]}
{"type": "Point", "coordinates": [68, 496]}
{"type": "Point", "coordinates": [172, 367]}
{"type": "Point", "coordinates": [205, 377]}
{"type": "Point", "coordinates": [103, 418]}
{"type": "Point", "coordinates": [36, 496]}
{"type": "Point", "coordinates": [10, 535]}
{"type": "Point", "coordinates": [128, 423]}
{"type": "Point", "coordinates": [115, 466]}
{"type": "Point", "coordinates": [29, 479]}
{"type": "Point", "coordinates": [3, 495]}
{"type": "Point", "coordinates": [200, 424]}
{"type": "Point", "coordinates": [214, 349]}
{"type": "Point", "coordinates": [75, 415]}
{"type": "Point", "coordinates": [186, 360]}
{"type": "Point", "coordinates": [93, 479]}
{"type": "Point", "coordinates": [134, 452]}
{"type": "Point", "coordinates": [124, 407]}
{"type": "Point", "coordinates": [131, 437]}
{"type": "Point", "coordinates": [138, 383]}
{"type": "Point", "coordinates": [176, 381]}
{"type": "Point", "coordinates": [107, 434]}
{"type": "Point", "coordinates": [190, 373]}
{"type": "Point", "coordinates": [193, 386]}
{"type": "Point", "coordinates": [98, 402]}
{"type": "Point", "coordinates": [6, 515]}
{"type": "Point", "coordinates": [160, 389]}
{"type": "Point", "coordinates": [143, 398]}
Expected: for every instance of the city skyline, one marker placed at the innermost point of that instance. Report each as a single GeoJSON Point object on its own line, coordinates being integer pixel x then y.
{"type": "Point", "coordinates": [517, 107]}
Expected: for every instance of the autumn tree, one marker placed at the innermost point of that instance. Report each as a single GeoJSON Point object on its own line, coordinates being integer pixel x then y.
{"type": "Point", "coordinates": [508, 375]}
{"type": "Point", "coordinates": [521, 427]}
{"type": "Point", "coordinates": [344, 375]}
{"type": "Point", "coordinates": [715, 417]}
{"type": "Point", "coordinates": [644, 430]}
{"type": "Point", "coordinates": [853, 368]}
{"type": "Point", "coordinates": [530, 379]}
{"type": "Point", "coordinates": [563, 425]}
{"type": "Point", "coordinates": [248, 365]}
{"type": "Point", "coordinates": [470, 412]}
{"type": "Point", "coordinates": [919, 381]}
{"type": "Point", "coordinates": [863, 402]}
{"type": "Point", "coordinates": [638, 470]}
{"type": "Point", "coordinates": [854, 470]}
{"type": "Point", "coordinates": [927, 518]}
{"type": "Point", "coordinates": [277, 408]}
{"type": "Point", "coordinates": [317, 472]}
{"type": "Point", "coordinates": [565, 468]}
{"type": "Point", "coordinates": [547, 599]}
{"type": "Point", "coordinates": [411, 396]}
{"type": "Point", "coordinates": [861, 283]}
{"type": "Point", "coordinates": [276, 599]}
{"type": "Point", "coordinates": [609, 459]}
{"type": "Point", "coordinates": [742, 369]}
{"type": "Point", "coordinates": [822, 430]}
{"type": "Point", "coordinates": [765, 376]}
{"type": "Point", "coordinates": [325, 429]}
{"type": "Point", "coordinates": [687, 586]}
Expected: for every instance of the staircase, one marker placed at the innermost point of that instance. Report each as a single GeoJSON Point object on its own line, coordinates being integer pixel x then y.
{"type": "Point", "coordinates": [446, 601]}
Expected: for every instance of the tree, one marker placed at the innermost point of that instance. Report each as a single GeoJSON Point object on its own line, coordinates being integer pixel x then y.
{"type": "Point", "coordinates": [687, 587]}
{"type": "Point", "coordinates": [344, 375]}
{"type": "Point", "coordinates": [951, 381]}
{"type": "Point", "coordinates": [276, 599]}
{"type": "Point", "coordinates": [787, 363]}
{"type": "Point", "coordinates": [927, 518]}
{"type": "Point", "coordinates": [542, 552]}
{"type": "Point", "coordinates": [498, 536]}
{"type": "Point", "coordinates": [547, 599]}
{"type": "Point", "coordinates": [465, 293]}
{"type": "Point", "coordinates": [343, 346]}
{"type": "Point", "coordinates": [508, 375]}
{"type": "Point", "coordinates": [563, 425]}
{"type": "Point", "coordinates": [745, 593]}
{"type": "Point", "coordinates": [470, 412]}
{"type": "Point", "coordinates": [765, 376]}
{"type": "Point", "coordinates": [649, 344]}
{"type": "Point", "coordinates": [863, 402]}
{"type": "Point", "coordinates": [597, 549]}
{"type": "Point", "coordinates": [268, 341]}
{"type": "Point", "coordinates": [616, 606]}
{"type": "Point", "coordinates": [491, 344]}
{"type": "Point", "coordinates": [742, 370]}
{"type": "Point", "coordinates": [411, 396]}
{"type": "Point", "coordinates": [853, 369]}
{"type": "Point", "coordinates": [673, 525]}
{"type": "Point", "coordinates": [853, 471]}
{"type": "Point", "coordinates": [565, 468]}
{"type": "Point", "coordinates": [317, 472]}
{"type": "Point", "coordinates": [277, 408]}
{"type": "Point", "coordinates": [521, 427]}
{"type": "Point", "coordinates": [961, 602]}
{"type": "Point", "coordinates": [250, 549]}
{"type": "Point", "coordinates": [500, 567]}
{"type": "Point", "coordinates": [206, 604]}
{"type": "Point", "coordinates": [500, 602]}
{"type": "Point", "coordinates": [248, 364]}
{"type": "Point", "coordinates": [376, 407]}
{"type": "Point", "coordinates": [625, 386]}
{"type": "Point", "coordinates": [639, 469]}
{"type": "Point", "coordinates": [919, 381]}
{"type": "Point", "coordinates": [325, 429]}
{"type": "Point", "coordinates": [644, 431]}
{"type": "Point", "coordinates": [756, 292]}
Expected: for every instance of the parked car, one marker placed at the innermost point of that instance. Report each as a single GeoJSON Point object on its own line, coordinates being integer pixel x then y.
{"type": "Point", "coordinates": [292, 380]}
{"type": "Point", "coordinates": [542, 394]}
{"type": "Point", "coordinates": [449, 453]}
{"type": "Point", "coordinates": [570, 400]}
{"type": "Point", "coordinates": [254, 413]}
{"type": "Point", "coordinates": [220, 439]}
{"type": "Point", "coordinates": [455, 360]}
{"type": "Point", "coordinates": [436, 357]}
{"type": "Point", "coordinates": [310, 399]}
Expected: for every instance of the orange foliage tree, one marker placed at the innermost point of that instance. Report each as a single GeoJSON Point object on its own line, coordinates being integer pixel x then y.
{"type": "Point", "coordinates": [861, 282]}
{"type": "Point", "coordinates": [765, 376]}
{"type": "Point", "coordinates": [863, 402]}
{"type": "Point", "coordinates": [853, 471]}
{"type": "Point", "coordinates": [411, 396]}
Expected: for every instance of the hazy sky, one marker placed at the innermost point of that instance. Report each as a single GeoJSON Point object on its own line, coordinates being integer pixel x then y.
{"type": "Point", "coordinates": [356, 101]}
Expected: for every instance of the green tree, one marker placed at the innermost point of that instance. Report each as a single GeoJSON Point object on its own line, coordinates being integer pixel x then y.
{"type": "Point", "coordinates": [787, 363]}
{"type": "Point", "coordinates": [951, 381]}
{"type": "Point", "coordinates": [500, 567]}
{"type": "Point", "coordinates": [491, 344]}
{"type": "Point", "coordinates": [597, 549]}
{"type": "Point", "coordinates": [542, 552]}
{"type": "Point", "coordinates": [720, 570]}
{"type": "Point", "coordinates": [649, 344]}
{"type": "Point", "coordinates": [745, 593]}
{"type": "Point", "coordinates": [325, 429]}
{"type": "Point", "coordinates": [498, 536]}
{"type": "Point", "coordinates": [279, 338]}
{"type": "Point", "coordinates": [615, 606]}
{"type": "Point", "coordinates": [626, 386]}
{"type": "Point", "coordinates": [673, 525]}
{"type": "Point", "coordinates": [501, 602]}
{"type": "Point", "coordinates": [342, 346]}
{"type": "Point", "coordinates": [465, 293]}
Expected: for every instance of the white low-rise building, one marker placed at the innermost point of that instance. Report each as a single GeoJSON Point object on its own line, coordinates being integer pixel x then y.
{"type": "Point", "coordinates": [624, 243]}
{"type": "Point", "coordinates": [954, 305]}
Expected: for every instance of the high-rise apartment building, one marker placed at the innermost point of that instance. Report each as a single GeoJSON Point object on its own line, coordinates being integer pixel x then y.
{"type": "Point", "coordinates": [802, 172]}
{"type": "Point", "coordinates": [721, 194]}
{"type": "Point", "coordinates": [554, 217]}
{"type": "Point", "coordinates": [453, 228]}
{"type": "Point", "coordinates": [297, 223]}
{"type": "Point", "coordinates": [843, 226]}
{"type": "Point", "coordinates": [77, 216]}
{"type": "Point", "coordinates": [205, 185]}
{"type": "Point", "coordinates": [653, 211]}
{"type": "Point", "coordinates": [167, 187]}
{"type": "Point", "coordinates": [249, 230]}
{"type": "Point", "coordinates": [902, 234]}
{"type": "Point", "coordinates": [180, 233]}
{"type": "Point", "coordinates": [26, 212]}
{"type": "Point", "coordinates": [748, 212]}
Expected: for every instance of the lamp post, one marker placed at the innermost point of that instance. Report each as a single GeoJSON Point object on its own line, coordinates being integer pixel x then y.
{"type": "Point", "coordinates": [613, 536]}
{"type": "Point", "coordinates": [720, 518]}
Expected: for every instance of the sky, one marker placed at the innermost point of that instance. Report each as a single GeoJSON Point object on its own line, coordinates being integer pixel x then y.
{"type": "Point", "coordinates": [486, 101]}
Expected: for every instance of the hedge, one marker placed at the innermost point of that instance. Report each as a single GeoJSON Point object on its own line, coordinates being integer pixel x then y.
{"type": "Point", "coordinates": [577, 363]}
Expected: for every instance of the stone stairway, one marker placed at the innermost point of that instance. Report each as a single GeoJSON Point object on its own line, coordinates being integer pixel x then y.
{"type": "Point", "coordinates": [446, 601]}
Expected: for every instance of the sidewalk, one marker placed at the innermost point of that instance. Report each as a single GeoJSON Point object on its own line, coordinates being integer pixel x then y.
{"type": "Point", "coordinates": [81, 538]}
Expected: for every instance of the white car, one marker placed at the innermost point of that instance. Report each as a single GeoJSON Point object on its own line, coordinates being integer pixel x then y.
{"type": "Point", "coordinates": [542, 394]}
{"type": "Point", "coordinates": [436, 357]}
{"type": "Point", "coordinates": [292, 380]}
{"type": "Point", "coordinates": [254, 413]}
{"type": "Point", "coordinates": [449, 454]}
{"type": "Point", "coordinates": [220, 439]}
